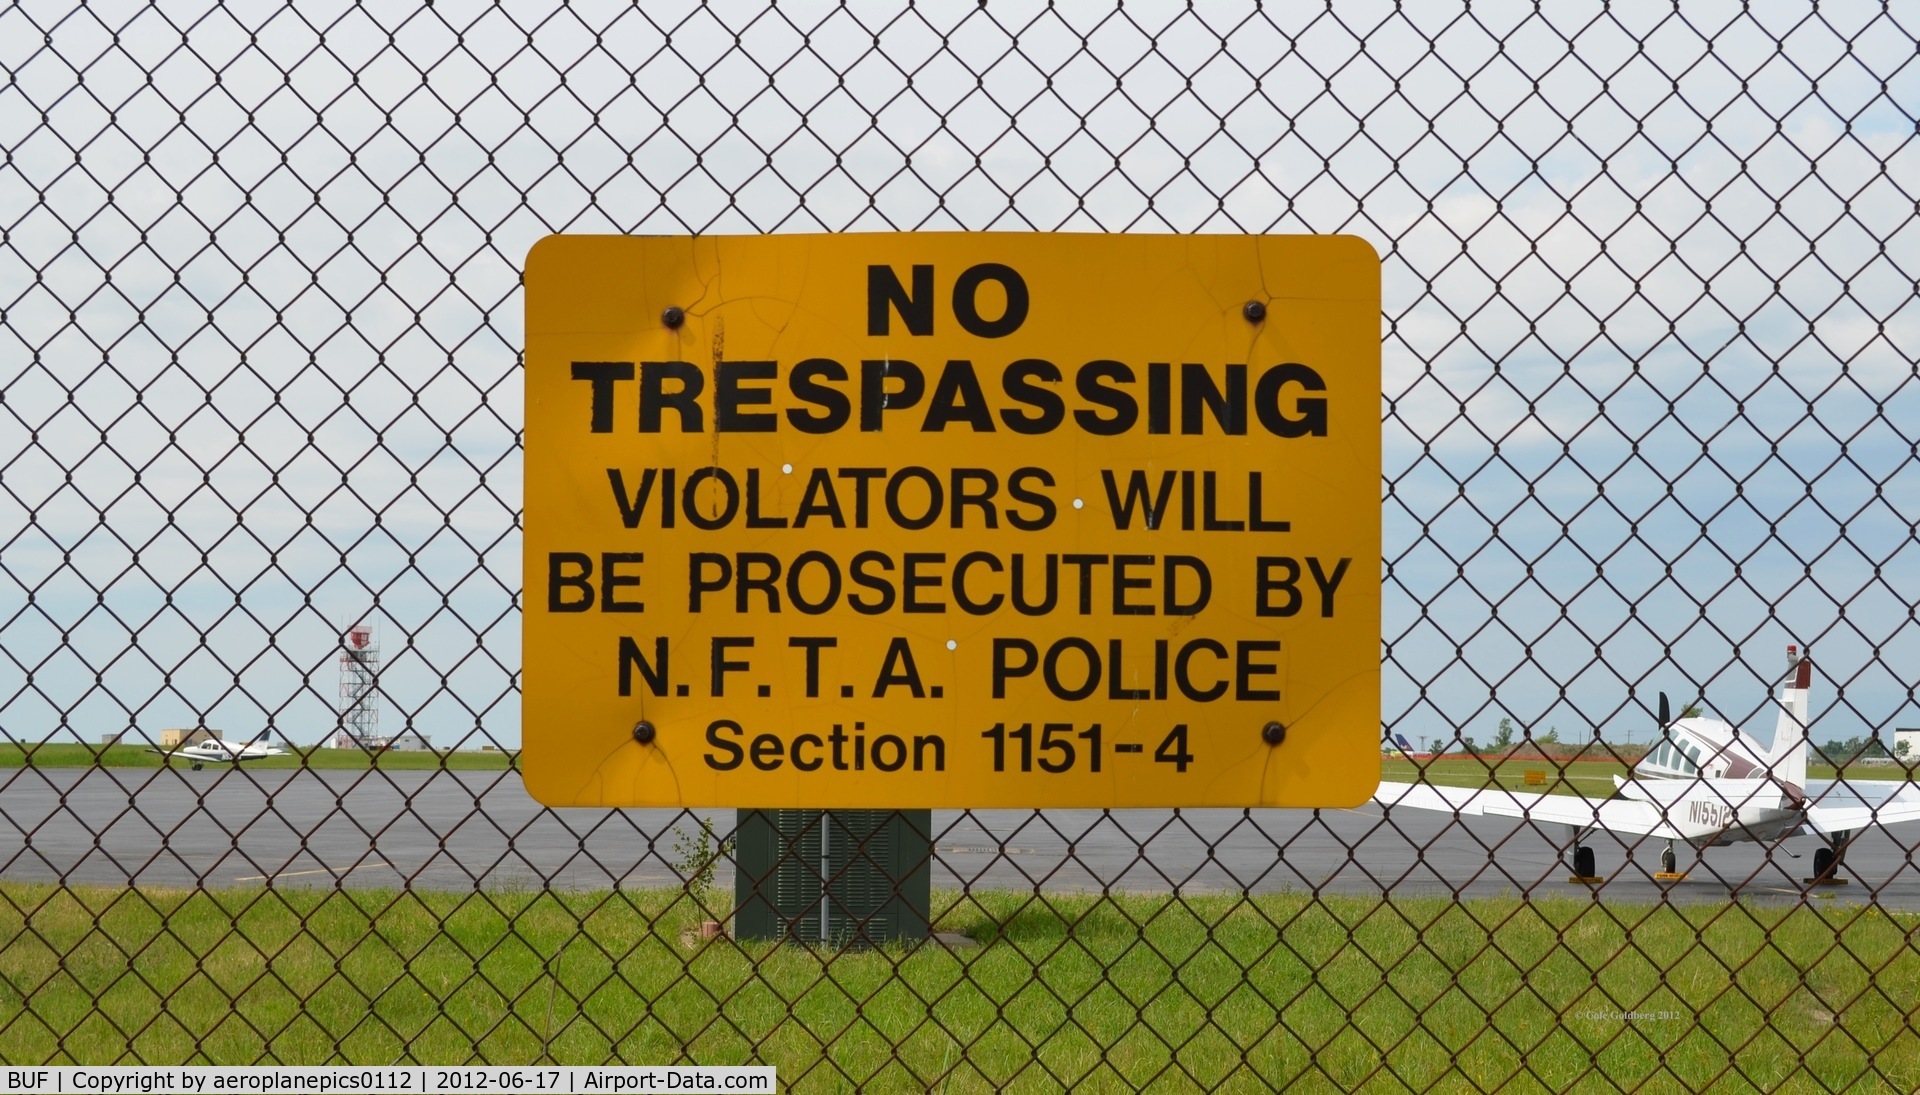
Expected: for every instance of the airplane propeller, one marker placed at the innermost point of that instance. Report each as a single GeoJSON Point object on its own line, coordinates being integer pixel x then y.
{"type": "Point", "coordinates": [1666, 712]}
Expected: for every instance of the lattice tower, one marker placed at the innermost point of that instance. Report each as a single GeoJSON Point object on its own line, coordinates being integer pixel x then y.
{"type": "Point", "coordinates": [359, 685]}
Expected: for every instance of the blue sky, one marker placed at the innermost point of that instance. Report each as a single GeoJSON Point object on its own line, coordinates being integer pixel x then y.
{"type": "Point", "coordinates": [1671, 256]}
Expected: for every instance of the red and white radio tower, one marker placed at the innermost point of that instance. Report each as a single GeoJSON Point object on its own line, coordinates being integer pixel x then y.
{"type": "Point", "coordinates": [359, 688]}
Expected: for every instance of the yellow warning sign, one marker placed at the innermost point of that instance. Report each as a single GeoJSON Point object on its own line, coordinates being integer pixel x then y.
{"type": "Point", "coordinates": [952, 520]}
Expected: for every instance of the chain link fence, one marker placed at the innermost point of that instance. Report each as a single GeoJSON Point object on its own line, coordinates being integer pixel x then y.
{"type": "Point", "coordinates": [1650, 331]}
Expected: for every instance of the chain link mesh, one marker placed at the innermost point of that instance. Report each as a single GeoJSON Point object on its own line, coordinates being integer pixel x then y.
{"type": "Point", "coordinates": [1651, 412]}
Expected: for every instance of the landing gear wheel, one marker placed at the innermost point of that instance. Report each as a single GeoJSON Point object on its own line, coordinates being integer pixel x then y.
{"type": "Point", "coordinates": [1583, 861]}
{"type": "Point", "coordinates": [196, 766]}
{"type": "Point", "coordinates": [1829, 861]}
{"type": "Point", "coordinates": [1823, 861]}
{"type": "Point", "coordinates": [1667, 860]}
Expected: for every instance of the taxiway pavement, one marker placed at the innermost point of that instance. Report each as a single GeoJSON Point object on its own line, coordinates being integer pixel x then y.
{"type": "Point", "coordinates": [462, 830]}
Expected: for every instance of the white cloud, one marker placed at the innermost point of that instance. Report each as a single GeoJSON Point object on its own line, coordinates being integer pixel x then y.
{"type": "Point", "coordinates": [336, 223]}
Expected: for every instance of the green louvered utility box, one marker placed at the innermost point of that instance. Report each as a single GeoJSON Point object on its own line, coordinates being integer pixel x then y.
{"type": "Point", "coordinates": [850, 878]}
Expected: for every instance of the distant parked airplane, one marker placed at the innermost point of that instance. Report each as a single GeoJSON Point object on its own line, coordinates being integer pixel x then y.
{"type": "Point", "coordinates": [215, 751]}
{"type": "Point", "coordinates": [1705, 783]}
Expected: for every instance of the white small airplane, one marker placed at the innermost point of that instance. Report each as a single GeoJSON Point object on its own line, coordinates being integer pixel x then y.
{"type": "Point", "coordinates": [215, 751]}
{"type": "Point", "coordinates": [1705, 783]}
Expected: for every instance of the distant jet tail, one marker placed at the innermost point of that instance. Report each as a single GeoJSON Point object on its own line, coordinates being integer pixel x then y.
{"type": "Point", "coordinates": [1405, 746]}
{"type": "Point", "coordinates": [1787, 761]}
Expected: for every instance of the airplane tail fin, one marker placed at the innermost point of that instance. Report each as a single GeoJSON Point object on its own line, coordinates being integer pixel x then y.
{"type": "Point", "coordinates": [1787, 760]}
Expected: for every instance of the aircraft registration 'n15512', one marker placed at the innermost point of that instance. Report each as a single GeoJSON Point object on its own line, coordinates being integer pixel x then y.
{"type": "Point", "coordinates": [1704, 783]}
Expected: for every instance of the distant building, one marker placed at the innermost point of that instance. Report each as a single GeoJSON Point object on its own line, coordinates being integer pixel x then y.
{"type": "Point", "coordinates": [1910, 737]}
{"type": "Point", "coordinates": [405, 741]}
{"type": "Point", "coordinates": [113, 738]}
{"type": "Point", "coordinates": [174, 739]}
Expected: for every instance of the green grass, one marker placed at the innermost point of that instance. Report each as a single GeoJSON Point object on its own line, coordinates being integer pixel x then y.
{"type": "Point", "coordinates": [1588, 777]}
{"type": "Point", "coordinates": [1082, 992]}
{"type": "Point", "coordinates": [1593, 778]}
{"type": "Point", "coordinates": [75, 755]}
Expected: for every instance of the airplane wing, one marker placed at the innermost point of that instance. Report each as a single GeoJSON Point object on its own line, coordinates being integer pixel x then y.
{"type": "Point", "coordinates": [1829, 820]}
{"type": "Point", "coordinates": [1629, 816]}
{"type": "Point", "coordinates": [1854, 792]}
{"type": "Point", "coordinates": [184, 756]}
{"type": "Point", "coordinates": [1425, 796]}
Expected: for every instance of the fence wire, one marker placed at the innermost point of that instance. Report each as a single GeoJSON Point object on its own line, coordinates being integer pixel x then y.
{"type": "Point", "coordinates": [1652, 412]}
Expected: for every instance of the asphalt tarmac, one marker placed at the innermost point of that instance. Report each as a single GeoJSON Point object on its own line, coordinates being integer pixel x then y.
{"type": "Point", "coordinates": [462, 830]}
